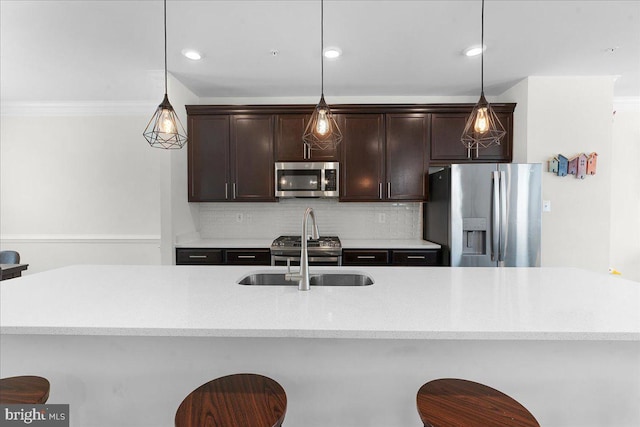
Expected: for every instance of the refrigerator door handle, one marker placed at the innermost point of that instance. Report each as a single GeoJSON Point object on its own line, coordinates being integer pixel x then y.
{"type": "Point", "coordinates": [503, 216]}
{"type": "Point", "coordinates": [495, 212]}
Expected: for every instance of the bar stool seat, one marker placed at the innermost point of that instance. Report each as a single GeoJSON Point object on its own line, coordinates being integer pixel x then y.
{"type": "Point", "coordinates": [454, 402]}
{"type": "Point", "coordinates": [24, 389]}
{"type": "Point", "coordinates": [239, 400]}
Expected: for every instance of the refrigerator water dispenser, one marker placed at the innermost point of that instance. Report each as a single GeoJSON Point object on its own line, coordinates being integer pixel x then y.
{"type": "Point", "coordinates": [474, 234]}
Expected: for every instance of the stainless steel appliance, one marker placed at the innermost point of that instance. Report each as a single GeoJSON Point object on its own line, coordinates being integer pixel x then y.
{"type": "Point", "coordinates": [486, 214]}
{"type": "Point", "coordinates": [307, 179]}
{"type": "Point", "coordinates": [327, 250]}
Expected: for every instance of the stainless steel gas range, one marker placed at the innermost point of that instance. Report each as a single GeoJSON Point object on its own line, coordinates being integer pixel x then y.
{"type": "Point", "coordinates": [327, 250]}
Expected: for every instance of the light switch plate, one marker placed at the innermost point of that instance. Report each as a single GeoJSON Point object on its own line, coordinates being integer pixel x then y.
{"type": "Point", "coordinates": [546, 206]}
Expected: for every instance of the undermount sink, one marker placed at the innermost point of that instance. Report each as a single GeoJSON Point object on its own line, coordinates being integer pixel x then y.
{"type": "Point", "coordinates": [323, 279]}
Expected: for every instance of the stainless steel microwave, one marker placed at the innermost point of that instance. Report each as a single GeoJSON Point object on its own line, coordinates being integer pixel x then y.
{"type": "Point", "coordinates": [307, 179]}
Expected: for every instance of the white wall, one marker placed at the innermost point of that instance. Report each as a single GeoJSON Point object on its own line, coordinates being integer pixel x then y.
{"type": "Point", "coordinates": [79, 188]}
{"type": "Point", "coordinates": [570, 115]}
{"type": "Point", "coordinates": [519, 93]}
{"type": "Point", "coordinates": [625, 190]}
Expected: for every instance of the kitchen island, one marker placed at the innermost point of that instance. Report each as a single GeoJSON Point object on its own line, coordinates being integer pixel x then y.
{"type": "Point", "coordinates": [123, 345]}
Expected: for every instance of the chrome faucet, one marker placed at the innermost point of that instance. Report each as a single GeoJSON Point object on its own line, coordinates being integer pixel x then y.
{"type": "Point", "coordinates": [302, 276]}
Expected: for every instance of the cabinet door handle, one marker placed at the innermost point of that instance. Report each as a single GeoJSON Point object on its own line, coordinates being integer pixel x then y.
{"type": "Point", "coordinates": [246, 257]}
{"type": "Point", "coordinates": [197, 256]}
{"type": "Point", "coordinates": [234, 190]}
{"type": "Point", "coordinates": [388, 190]}
{"type": "Point", "coordinates": [366, 257]}
{"type": "Point", "coordinates": [380, 190]}
{"type": "Point", "coordinates": [415, 257]}
{"type": "Point", "coordinates": [226, 190]}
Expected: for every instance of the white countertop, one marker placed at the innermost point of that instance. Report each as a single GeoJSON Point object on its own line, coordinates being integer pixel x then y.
{"type": "Point", "coordinates": [404, 303]}
{"type": "Point", "coordinates": [227, 243]}
{"type": "Point", "coordinates": [346, 243]}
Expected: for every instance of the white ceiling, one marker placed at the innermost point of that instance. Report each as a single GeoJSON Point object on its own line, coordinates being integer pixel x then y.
{"type": "Point", "coordinates": [112, 50]}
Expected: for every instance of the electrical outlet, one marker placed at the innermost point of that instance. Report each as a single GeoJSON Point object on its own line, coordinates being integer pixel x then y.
{"type": "Point", "coordinates": [382, 217]}
{"type": "Point", "coordinates": [546, 206]}
{"type": "Point", "coordinates": [239, 217]}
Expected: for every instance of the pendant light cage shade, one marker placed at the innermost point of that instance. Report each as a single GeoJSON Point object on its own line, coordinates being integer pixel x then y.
{"type": "Point", "coordinates": [483, 128]}
{"type": "Point", "coordinates": [322, 131]}
{"type": "Point", "coordinates": [165, 130]}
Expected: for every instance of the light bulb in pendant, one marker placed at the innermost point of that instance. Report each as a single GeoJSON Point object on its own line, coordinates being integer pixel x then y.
{"type": "Point", "coordinates": [166, 124]}
{"type": "Point", "coordinates": [481, 124]}
{"type": "Point", "coordinates": [322, 125]}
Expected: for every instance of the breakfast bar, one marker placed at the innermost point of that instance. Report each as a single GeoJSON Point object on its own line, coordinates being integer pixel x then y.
{"type": "Point", "coordinates": [122, 345]}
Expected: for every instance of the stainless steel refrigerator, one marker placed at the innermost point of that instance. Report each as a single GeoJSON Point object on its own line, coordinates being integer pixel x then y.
{"type": "Point", "coordinates": [485, 214]}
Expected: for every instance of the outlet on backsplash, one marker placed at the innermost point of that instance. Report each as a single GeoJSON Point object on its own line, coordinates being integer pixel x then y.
{"type": "Point", "coordinates": [239, 217]}
{"type": "Point", "coordinates": [382, 217]}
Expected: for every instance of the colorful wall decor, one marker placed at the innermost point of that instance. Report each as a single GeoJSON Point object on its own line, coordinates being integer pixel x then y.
{"type": "Point", "coordinates": [591, 163]}
{"type": "Point", "coordinates": [580, 165]}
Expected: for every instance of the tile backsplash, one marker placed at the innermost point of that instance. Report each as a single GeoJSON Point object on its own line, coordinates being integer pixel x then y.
{"type": "Point", "coordinates": [346, 220]}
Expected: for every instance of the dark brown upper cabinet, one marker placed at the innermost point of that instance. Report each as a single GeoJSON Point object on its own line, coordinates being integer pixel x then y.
{"type": "Point", "coordinates": [362, 159]}
{"type": "Point", "coordinates": [288, 141]}
{"type": "Point", "coordinates": [231, 158]}
{"type": "Point", "coordinates": [208, 158]}
{"type": "Point", "coordinates": [384, 156]}
{"type": "Point", "coordinates": [406, 156]}
{"type": "Point", "coordinates": [251, 148]}
{"type": "Point", "coordinates": [446, 147]}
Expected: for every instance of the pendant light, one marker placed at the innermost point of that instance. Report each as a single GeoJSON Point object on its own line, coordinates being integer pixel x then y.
{"type": "Point", "coordinates": [164, 130]}
{"type": "Point", "coordinates": [322, 131]}
{"type": "Point", "coordinates": [483, 128]}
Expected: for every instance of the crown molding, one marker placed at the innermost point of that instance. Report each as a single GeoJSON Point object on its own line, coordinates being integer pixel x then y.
{"type": "Point", "coordinates": [78, 108]}
{"type": "Point", "coordinates": [626, 103]}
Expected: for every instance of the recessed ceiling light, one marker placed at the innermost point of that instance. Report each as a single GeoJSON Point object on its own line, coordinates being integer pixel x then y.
{"type": "Point", "coordinates": [475, 50]}
{"type": "Point", "coordinates": [332, 52]}
{"type": "Point", "coordinates": [192, 54]}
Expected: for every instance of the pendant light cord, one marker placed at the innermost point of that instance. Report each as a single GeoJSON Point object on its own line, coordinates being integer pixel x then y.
{"type": "Point", "coordinates": [165, 47]}
{"type": "Point", "coordinates": [482, 51]}
{"type": "Point", "coordinates": [322, 47]}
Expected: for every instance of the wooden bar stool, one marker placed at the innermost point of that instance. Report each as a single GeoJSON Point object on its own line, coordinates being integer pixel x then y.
{"type": "Point", "coordinates": [454, 402]}
{"type": "Point", "coordinates": [24, 389]}
{"type": "Point", "coordinates": [240, 400]}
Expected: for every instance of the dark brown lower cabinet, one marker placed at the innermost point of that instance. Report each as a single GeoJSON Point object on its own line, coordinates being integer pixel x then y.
{"type": "Point", "coordinates": [392, 257]}
{"type": "Point", "coordinates": [196, 256]}
{"type": "Point", "coordinates": [365, 257]}
{"type": "Point", "coordinates": [424, 258]}
{"type": "Point", "coordinates": [247, 256]}
{"type": "Point", "coordinates": [208, 256]}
